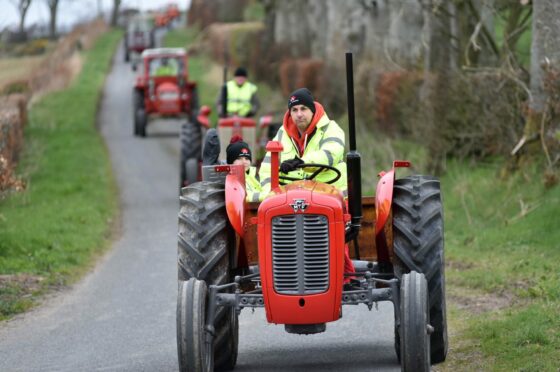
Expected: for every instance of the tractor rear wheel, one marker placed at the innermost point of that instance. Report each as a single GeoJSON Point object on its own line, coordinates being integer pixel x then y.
{"type": "Point", "coordinates": [140, 119]}
{"type": "Point", "coordinates": [418, 245]}
{"type": "Point", "coordinates": [195, 105]}
{"type": "Point", "coordinates": [193, 352]}
{"type": "Point", "coordinates": [414, 337]}
{"type": "Point", "coordinates": [126, 52]}
{"type": "Point", "coordinates": [205, 252]}
{"type": "Point", "coordinates": [191, 144]}
{"type": "Point", "coordinates": [140, 122]}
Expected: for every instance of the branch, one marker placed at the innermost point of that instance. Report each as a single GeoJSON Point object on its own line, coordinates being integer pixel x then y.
{"type": "Point", "coordinates": [485, 32]}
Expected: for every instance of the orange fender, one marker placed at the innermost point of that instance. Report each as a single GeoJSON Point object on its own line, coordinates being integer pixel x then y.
{"type": "Point", "coordinates": [235, 197]}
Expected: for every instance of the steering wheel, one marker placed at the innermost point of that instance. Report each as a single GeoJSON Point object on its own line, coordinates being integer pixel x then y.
{"type": "Point", "coordinates": [322, 167]}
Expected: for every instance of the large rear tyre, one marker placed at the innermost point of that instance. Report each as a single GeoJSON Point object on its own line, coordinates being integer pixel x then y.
{"type": "Point", "coordinates": [140, 119]}
{"type": "Point", "coordinates": [205, 252]}
{"type": "Point", "coordinates": [194, 354]}
{"type": "Point", "coordinates": [192, 170]}
{"type": "Point", "coordinates": [415, 341]}
{"type": "Point", "coordinates": [191, 150]}
{"type": "Point", "coordinates": [418, 242]}
{"type": "Point", "coordinates": [140, 122]}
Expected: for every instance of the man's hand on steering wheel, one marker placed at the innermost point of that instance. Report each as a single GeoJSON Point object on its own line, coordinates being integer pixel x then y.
{"type": "Point", "coordinates": [297, 163]}
{"type": "Point", "coordinates": [291, 165]}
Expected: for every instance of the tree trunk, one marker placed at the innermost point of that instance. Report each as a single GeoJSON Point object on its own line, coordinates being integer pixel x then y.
{"type": "Point", "coordinates": [438, 63]}
{"type": "Point", "coordinates": [545, 56]}
{"type": "Point", "coordinates": [53, 9]}
{"type": "Point", "coordinates": [22, 6]}
{"type": "Point", "coordinates": [115, 13]}
{"type": "Point", "coordinates": [545, 53]}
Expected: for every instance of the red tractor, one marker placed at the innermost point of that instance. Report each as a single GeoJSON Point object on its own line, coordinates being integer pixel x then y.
{"type": "Point", "coordinates": [138, 37]}
{"type": "Point", "coordinates": [163, 88]}
{"type": "Point", "coordinates": [286, 254]}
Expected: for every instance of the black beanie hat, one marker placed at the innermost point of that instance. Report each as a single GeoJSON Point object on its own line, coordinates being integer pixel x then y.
{"type": "Point", "coordinates": [302, 96]}
{"type": "Point", "coordinates": [237, 148]}
{"type": "Point", "coordinates": [240, 71]}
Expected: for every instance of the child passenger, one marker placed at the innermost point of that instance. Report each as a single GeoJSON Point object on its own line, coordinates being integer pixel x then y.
{"type": "Point", "coordinates": [238, 152]}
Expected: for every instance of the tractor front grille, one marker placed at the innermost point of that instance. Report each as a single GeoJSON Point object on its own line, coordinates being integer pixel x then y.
{"type": "Point", "coordinates": [300, 253]}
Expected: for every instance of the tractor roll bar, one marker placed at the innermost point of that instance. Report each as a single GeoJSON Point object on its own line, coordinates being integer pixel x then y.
{"type": "Point", "coordinates": [353, 160]}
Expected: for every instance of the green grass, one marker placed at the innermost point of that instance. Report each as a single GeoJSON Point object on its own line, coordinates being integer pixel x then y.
{"type": "Point", "coordinates": [502, 243]}
{"type": "Point", "coordinates": [63, 219]}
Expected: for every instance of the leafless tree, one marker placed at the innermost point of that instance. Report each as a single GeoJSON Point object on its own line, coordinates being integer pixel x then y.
{"type": "Point", "coordinates": [115, 13]}
{"type": "Point", "coordinates": [22, 7]}
{"type": "Point", "coordinates": [53, 9]}
{"type": "Point", "coordinates": [545, 66]}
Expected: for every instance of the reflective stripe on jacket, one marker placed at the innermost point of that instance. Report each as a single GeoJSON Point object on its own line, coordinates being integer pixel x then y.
{"type": "Point", "coordinates": [326, 146]}
{"type": "Point", "coordinates": [252, 186]}
{"type": "Point", "coordinates": [239, 98]}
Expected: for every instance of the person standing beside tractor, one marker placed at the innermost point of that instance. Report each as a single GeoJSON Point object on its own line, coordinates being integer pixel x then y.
{"type": "Point", "coordinates": [238, 152]}
{"type": "Point", "coordinates": [308, 136]}
{"type": "Point", "coordinates": [241, 96]}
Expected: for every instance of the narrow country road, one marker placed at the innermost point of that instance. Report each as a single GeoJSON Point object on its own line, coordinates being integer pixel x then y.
{"type": "Point", "coordinates": [121, 316]}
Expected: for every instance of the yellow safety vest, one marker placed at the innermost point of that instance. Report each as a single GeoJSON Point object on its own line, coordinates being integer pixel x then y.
{"type": "Point", "coordinates": [325, 147]}
{"type": "Point", "coordinates": [165, 71]}
{"type": "Point", "coordinates": [239, 98]}
{"type": "Point", "coordinates": [252, 185]}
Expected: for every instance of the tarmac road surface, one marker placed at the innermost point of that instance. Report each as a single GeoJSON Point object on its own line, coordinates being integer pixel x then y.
{"type": "Point", "coordinates": [121, 316]}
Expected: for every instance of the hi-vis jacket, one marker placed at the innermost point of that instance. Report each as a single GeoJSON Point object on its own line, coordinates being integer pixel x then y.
{"type": "Point", "coordinates": [322, 143]}
{"type": "Point", "coordinates": [239, 98]}
{"type": "Point", "coordinates": [252, 185]}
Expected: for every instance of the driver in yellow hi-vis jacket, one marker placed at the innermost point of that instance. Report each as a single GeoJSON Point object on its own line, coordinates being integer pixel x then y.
{"type": "Point", "coordinates": [308, 136]}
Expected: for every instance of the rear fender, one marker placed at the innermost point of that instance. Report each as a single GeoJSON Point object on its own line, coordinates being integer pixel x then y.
{"type": "Point", "coordinates": [235, 197]}
{"type": "Point", "coordinates": [383, 199]}
{"type": "Point", "coordinates": [384, 195]}
{"type": "Point", "coordinates": [203, 116]}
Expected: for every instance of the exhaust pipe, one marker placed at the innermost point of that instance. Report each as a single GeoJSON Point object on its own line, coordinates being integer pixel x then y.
{"type": "Point", "coordinates": [224, 95]}
{"type": "Point", "coordinates": [353, 159]}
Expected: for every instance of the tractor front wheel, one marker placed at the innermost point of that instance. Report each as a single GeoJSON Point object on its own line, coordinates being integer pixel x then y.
{"type": "Point", "coordinates": [206, 251]}
{"type": "Point", "coordinates": [418, 245]}
{"type": "Point", "coordinates": [414, 325]}
{"type": "Point", "coordinates": [195, 354]}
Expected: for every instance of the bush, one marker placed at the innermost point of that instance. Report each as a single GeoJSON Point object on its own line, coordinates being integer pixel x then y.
{"type": "Point", "coordinates": [463, 115]}
{"type": "Point", "coordinates": [32, 48]}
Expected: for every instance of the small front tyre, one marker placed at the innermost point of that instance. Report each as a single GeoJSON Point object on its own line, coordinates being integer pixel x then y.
{"type": "Point", "coordinates": [194, 353]}
{"type": "Point", "coordinates": [414, 327]}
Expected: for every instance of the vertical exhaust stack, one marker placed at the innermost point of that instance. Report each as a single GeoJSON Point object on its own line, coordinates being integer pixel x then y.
{"type": "Point", "coordinates": [353, 159]}
{"type": "Point", "coordinates": [224, 95]}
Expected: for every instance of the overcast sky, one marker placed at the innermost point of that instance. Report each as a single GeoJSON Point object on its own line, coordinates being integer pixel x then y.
{"type": "Point", "coordinates": [71, 11]}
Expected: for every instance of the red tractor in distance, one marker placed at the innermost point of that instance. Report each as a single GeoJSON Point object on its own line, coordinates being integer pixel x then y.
{"type": "Point", "coordinates": [286, 254]}
{"type": "Point", "coordinates": [138, 37]}
{"type": "Point", "coordinates": [163, 88]}
{"type": "Point", "coordinates": [172, 11]}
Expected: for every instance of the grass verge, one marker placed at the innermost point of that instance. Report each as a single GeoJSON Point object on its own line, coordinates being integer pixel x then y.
{"type": "Point", "coordinates": [503, 274]}
{"type": "Point", "coordinates": [50, 232]}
